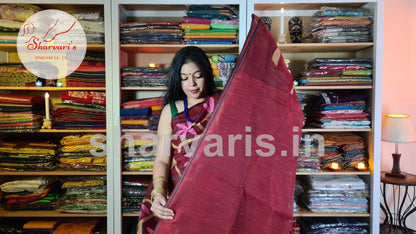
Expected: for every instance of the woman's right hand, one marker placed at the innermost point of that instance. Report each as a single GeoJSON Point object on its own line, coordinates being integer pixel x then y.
{"type": "Point", "coordinates": [158, 207]}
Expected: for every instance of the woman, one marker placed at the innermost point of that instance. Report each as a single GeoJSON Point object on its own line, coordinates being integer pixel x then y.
{"type": "Point", "coordinates": [189, 102]}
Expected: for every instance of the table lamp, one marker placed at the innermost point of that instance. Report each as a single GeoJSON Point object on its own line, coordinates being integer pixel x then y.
{"type": "Point", "coordinates": [397, 128]}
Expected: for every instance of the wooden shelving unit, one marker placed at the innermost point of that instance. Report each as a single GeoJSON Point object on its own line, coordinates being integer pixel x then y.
{"type": "Point", "coordinates": [10, 50]}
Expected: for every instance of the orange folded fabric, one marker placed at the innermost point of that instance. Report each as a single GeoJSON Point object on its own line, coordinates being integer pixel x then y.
{"type": "Point", "coordinates": [40, 224]}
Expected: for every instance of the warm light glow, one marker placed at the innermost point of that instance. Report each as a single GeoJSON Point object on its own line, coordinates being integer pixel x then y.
{"type": "Point", "coordinates": [46, 95]}
{"type": "Point", "coordinates": [152, 65]}
{"type": "Point", "coordinates": [361, 166]}
{"type": "Point", "coordinates": [397, 115]}
{"type": "Point", "coordinates": [282, 10]}
{"type": "Point", "coordinates": [334, 166]}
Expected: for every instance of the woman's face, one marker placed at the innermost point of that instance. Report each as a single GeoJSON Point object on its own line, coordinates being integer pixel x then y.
{"type": "Point", "coordinates": [192, 81]}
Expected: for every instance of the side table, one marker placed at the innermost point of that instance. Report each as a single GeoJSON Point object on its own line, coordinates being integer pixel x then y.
{"type": "Point", "coordinates": [402, 189]}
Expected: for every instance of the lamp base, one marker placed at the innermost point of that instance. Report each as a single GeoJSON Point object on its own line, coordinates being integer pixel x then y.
{"type": "Point", "coordinates": [396, 175]}
{"type": "Point", "coordinates": [395, 171]}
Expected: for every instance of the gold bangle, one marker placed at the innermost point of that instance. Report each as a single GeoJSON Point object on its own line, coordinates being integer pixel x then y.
{"type": "Point", "coordinates": [159, 178]}
{"type": "Point", "coordinates": [156, 191]}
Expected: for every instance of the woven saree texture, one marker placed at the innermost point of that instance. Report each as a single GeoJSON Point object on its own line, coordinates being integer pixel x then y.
{"type": "Point", "coordinates": [241, 176]}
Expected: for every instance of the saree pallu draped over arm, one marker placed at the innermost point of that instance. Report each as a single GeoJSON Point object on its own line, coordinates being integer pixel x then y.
{"type": "Point", "coordinates": [241, 176]}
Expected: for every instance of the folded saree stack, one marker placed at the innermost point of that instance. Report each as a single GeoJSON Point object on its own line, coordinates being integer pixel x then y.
{"type": "Point", "coordinates": [151, 33]}
{"type": "Point", "coordinates": [308, 159]}
{"type": "Point", "coordinates": [80, 152]}
{"type": "Point", "coordinates": [27, 156]}
{"type": "Point", "coordinates": [346, 149]}
{"type": "Point", "coordinates": [339, 110]}
{"type": "Point", "coordinates": [15, 75]}
{"type": "Point", "coordinates": [222, 67]}
{"type": "Point", "coordinates": [304, 99]}
{"type": "Point", "coordinates": [139, 151]}
{"type": "Point", "coordinates": [36, 193]}
{"type": "Point", "coordinates": [338, 71]}
{"type": "Point", "coordinates": [207, 24]}
{"type": "Point", "coordinates": [144, 77]}
{"type": "Point", "coordinates": [133, 194]}
{"type": "Point", "coordinates": [340, 25]}
{"type": "Point", "coordinates": [80, 109]}
{"type": "Point", "coordinates": [339, 194]}
{"type": "Point", "coordinates": [20, 113]}
{"type": "Point", "coordinates": [93, 25]}
{"type": "Point", "coordinates": [12, 17]}
{"type": "Point", "coordinates": [141, 113]}
{"type": "Point", "coordinates": [84, 195]}
{"type": "Point", "coordinates": [334, 225]}
{"type": "Point", "coordinates": [90, 73]}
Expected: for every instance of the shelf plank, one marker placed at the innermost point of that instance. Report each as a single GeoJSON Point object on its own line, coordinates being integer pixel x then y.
{"type": "Point", "coordinates": [138, 130]}
{"type": "Point", "coordinates": [341, 172]}
{"type": "Point", "coordinates": [296, 214]}
{"type": "Point", "coordinates": [71, 130]}
{"type": "Point", "coordinates": [300, 6]}
{"type": "Point", "coordinates": [130, 214]}
{"type": "Point", "coordinates": [137, 172]}
{"type": "Point", "coordinates": [336, 129]}
{"type": "Point", "coordinates": [41, 213]}
{"type": "Point", "coordinates": [166, 48]}
{"type": "Point", "coordinates": [54, 89]}
{"type": "Point", "coordinates": [332, 87]}
{"type": "Point", "coordinates": [53, 173]}
{"type": "Point", "coordinates": [320, 214]}
{"type": "Point", "coordinates": [138, 88]}
{"type": "Point", "coordinates": [323, 47]}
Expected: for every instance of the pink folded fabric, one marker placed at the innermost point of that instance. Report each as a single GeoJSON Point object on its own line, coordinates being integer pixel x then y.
{"type": "Point", "coordinates": [143, 103]}
{"type": "Point", "coordinates": [194, 20]}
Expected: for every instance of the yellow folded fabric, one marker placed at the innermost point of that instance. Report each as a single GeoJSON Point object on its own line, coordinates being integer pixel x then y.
{"type": "Point", "coordinates": [76, 140]}
{"type": "Point", "coordinates": [89, 161]}
{"type": "Point", "coordinates": [195, 26]}
{"type": "Point", "coordinates": [137, 143]}
{"type": "Point", "coordinates": [135, 122]}
{"type": "Point", "coordinates": [157, 108]}
{"type": "Point", "coordinates": [216, 72]}
{"type": "Point", "coordinates": [79, 148]}
{"type": "Point", "coordinates": [147, 165]}
{"type": "Point", "coordinates": [84, 183]}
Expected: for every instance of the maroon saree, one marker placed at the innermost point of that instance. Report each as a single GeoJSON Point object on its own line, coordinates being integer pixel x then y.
{"type": "Point", "coordinates": [185, 137]}
{"type": "Point", "coordinates": [242, 174]}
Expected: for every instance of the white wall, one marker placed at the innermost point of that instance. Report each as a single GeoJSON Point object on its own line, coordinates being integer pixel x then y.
{"type": "Point", "coordinates": [399, 78]}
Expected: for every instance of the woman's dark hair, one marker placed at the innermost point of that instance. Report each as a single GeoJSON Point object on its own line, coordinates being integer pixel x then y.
{"type": "Point", "coordinates": [183, 56]}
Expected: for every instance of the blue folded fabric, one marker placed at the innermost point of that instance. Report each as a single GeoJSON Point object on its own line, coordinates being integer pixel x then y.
{"type": "Point", "coordinates": [143, 111]}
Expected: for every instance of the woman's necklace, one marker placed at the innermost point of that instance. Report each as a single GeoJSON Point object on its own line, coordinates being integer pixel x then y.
{"type": "Point", "coordinates": [185, 106]}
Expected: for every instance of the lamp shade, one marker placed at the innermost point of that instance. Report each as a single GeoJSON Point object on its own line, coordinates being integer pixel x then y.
{"type": "Point", "coordinates": [398, 128]}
